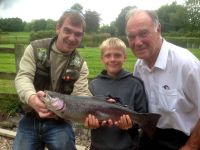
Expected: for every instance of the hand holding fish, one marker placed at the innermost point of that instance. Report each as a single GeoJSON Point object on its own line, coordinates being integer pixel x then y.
{"type": "Point", "coordinates": [92, 122]}
{"type": "Point", "coordinates": [39, 106]}
{"type": "Point", "coordinates": [124, 122]}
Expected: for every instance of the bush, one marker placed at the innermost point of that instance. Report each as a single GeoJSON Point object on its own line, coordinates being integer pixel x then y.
{"type": "Point", "coordinates": [94, 40]}
{"type": "Point", "coordinates": [185, 42]}
{"type": "Point", "coordinates": [41, 35]}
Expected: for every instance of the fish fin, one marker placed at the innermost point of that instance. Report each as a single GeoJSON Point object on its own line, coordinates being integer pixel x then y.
{"type": "Point", "coordinates": [149, 122]}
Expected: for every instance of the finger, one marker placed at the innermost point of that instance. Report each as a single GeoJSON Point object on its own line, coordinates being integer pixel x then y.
{"type": "Point", "coordinates": [110, 123]}
{"type": "Point", "coordinates": [103, 123]}
{"type": "Point", "coordinates": [111, 100]}
{"type": "Point", "coordinates": [45, 115]}
{"type": "Point", "coordinates": [129, 121]}
{"type": "Point", "coordinates": [44, 110]}
{"type": "Point", "coordinates": [40, 94]}
{"type": "Point", "coordinates": [93, 122]}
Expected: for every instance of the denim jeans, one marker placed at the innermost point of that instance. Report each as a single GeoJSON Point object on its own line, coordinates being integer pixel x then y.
{"type": "Point", "coordinates": [36, 134]}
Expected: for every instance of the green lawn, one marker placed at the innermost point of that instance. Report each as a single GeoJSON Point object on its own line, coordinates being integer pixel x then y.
{"type": "Point", "coordinates": [91, 55]}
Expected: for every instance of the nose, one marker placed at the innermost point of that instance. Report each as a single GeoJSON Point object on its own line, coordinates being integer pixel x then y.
{"type": "Point", "coordinates": [72, 37]}
{"type": "Point", "coordinates": [138, 40]}
{"type": "Point", "coordinates": [112, 57]}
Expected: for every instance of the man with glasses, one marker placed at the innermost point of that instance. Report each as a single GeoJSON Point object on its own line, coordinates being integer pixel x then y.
{"type": "Point", "coordinates": [171, 76]}
{"type": "Point", "coordinates": [50, 64]}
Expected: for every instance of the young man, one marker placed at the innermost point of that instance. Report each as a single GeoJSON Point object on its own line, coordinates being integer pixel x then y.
{"type": "Point", "coordinates": [50, 64]}
{"type": "Point", "coordinates": [116, 84]}
{"type": "Point", "coordinates": [171, 76]}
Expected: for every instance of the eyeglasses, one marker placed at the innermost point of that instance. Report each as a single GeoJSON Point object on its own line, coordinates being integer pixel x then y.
{"type": "Point", "coordinates": [75, 11]}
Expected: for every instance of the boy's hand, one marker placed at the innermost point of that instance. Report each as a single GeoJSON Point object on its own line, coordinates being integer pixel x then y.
{"type": "Point", "coordinates": [92, 122]}
{"type": "Point", "coordinates": [124, 122]}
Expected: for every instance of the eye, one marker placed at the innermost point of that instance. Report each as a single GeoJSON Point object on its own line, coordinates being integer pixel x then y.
{"type": "Point", "coordinates": [67, 30]}
{"type": "Point", "coordinates": [143, 34]}
{"type": "Point", "coordinates": [131, 36]}
{"type": "Point", "coordinates": [78, 34]}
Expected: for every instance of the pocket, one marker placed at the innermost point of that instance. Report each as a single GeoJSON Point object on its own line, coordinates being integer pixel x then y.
{"type": "Point", "coordinates": [167, 99]}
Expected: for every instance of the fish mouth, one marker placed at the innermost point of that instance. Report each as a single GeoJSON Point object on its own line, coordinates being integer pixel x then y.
{"type": "Point", "coordinates": [53, 102]}
{"type": "Point", "coordinates": [47, 98]}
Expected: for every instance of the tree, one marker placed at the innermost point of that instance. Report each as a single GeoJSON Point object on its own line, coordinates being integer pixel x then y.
{"type": "Point", "coordinates": [109, 29]}
{"type": "Point", "coordinates": [173, 17]}
{"type": "Point", "coordinates": [39, 25]}
{"type": "Point", "coordinates": [193, 10]}
{"type": "Point", "coordinates": [11, 24]}
{"type": "Point", "coordinates": [92, 20]}
{"type": "Point", "coordinates": [120, 21]}
{"type": "Point", "coordinates": [77, 7]}
{"type": "Point", "coordinates": [50, 24]}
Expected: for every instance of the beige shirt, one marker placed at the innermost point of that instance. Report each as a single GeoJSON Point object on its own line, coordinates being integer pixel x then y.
{"type": "Point", "coordinates": [27, 67]}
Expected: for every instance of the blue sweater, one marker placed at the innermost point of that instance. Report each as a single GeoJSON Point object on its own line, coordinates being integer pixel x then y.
{"type": "Point", "coordinates": [130, 91]}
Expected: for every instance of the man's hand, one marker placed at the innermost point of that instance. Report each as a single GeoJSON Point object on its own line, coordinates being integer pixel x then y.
{"type": "Point", "coordinates": [38, 105]}
{"type": "Point", "coordinates": [124, 122]}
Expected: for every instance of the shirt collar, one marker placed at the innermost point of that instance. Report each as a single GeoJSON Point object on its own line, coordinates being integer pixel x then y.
{"type": "Point", "coordinates": [161, 61]}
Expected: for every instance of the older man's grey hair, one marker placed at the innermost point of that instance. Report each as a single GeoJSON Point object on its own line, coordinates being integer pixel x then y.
{"type": "Point", "coordinates": [152, 14]}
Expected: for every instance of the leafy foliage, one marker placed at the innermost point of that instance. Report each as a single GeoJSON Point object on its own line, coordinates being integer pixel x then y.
{"type": "Point", "coordinates": [11, 24]}
{"type": "Point", "coordinates": [92, 20]}
{"type": "Point", "coordinates": [193, 9]}
{"type": "Point", "coordinates": [173, 17]}
{"type": "Point", "coordinates": [120, 21]}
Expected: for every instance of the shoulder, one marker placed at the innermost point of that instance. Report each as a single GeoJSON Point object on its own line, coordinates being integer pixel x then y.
{"type": "Point", "coordinates": [136, 79]}
{"type": "Point", "coordinates": [42, 43]}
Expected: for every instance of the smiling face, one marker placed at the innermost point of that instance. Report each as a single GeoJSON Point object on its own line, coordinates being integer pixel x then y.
{"type": "Point", "coordinates": [144, 37]}
{"type": "Point", "coordinates": [69, 36]}
{"type": "Point", "coordinates": [113, 59]}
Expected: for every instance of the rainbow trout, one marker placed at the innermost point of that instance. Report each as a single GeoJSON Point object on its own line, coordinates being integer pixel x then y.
{"type": "Point", "coordinates": [77, 108]}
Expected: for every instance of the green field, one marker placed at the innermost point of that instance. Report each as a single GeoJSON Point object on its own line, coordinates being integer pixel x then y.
{"type": "Point", "coordinates": [91, 55]}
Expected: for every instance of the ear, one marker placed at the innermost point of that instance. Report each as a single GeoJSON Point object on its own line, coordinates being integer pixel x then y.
{"type": "Point", "coordinates": [125, 57]}
{"type": "Point", "coordinates": [159, 28]}
{"type": "Point", "coordinates": [58, 28]}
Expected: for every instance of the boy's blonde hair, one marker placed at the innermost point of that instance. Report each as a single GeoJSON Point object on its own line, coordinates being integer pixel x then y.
{"type": "Point", "coordinates": [112, 42]}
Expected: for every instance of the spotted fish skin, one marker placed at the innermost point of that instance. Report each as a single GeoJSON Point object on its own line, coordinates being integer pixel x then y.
{"type": "Point", "coordinates": [77, 108]}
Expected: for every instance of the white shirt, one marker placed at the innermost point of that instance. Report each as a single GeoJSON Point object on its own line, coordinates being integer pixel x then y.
{"type": "Point", "coordinates": [173, 87]}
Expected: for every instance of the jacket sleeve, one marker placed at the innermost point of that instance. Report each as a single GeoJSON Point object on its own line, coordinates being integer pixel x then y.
{"type": "Point", "coordinates": [81, 85]}
{"type": "Point", "coordinates": [141, 100]}
{"type": "Point", "coordinates": [25, 76]}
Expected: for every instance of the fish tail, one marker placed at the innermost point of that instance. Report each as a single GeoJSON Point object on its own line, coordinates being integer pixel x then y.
{"type": "Point", "coordinates": [148, 123]}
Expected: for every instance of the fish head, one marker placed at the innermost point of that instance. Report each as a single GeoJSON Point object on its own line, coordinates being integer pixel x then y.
{"type": "Point", "coordinates": [53, 102]}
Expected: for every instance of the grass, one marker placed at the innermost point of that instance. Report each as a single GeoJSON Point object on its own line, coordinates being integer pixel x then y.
{"type": "Point", "coordinates": [14, 37]}
{"type": "Point", "coordinates": [7, 62]}
{"type": "Point", "coordinates": [92, 57]}
{"type": "Point", "coordinates": [9, 102]}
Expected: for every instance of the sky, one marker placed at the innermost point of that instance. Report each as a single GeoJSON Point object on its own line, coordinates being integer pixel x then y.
{"type": "Point", "coordinates": [29, 10]}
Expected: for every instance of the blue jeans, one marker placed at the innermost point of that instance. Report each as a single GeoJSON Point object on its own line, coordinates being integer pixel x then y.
{"type": "Point", "coordinates": [36, 134]}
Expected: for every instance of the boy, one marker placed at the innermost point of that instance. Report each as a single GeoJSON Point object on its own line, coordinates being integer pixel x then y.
{"type": "Point", "coordinates": [116, 84]}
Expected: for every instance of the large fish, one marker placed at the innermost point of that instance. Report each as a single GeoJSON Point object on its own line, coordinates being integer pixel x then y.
{"type": "Point", "coordinates": [77, 108]}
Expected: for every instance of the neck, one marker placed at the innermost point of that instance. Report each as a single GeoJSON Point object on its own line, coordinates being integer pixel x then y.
{"type": "Point", "coordinates": [151, 62]}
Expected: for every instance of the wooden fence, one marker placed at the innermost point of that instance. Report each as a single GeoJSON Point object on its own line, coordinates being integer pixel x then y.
{"type": "Point", "coordinates": [18, 51]}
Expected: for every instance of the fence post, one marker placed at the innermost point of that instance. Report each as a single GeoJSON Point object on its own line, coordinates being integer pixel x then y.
{"type": "Point", "coordinates": [19, 50]}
